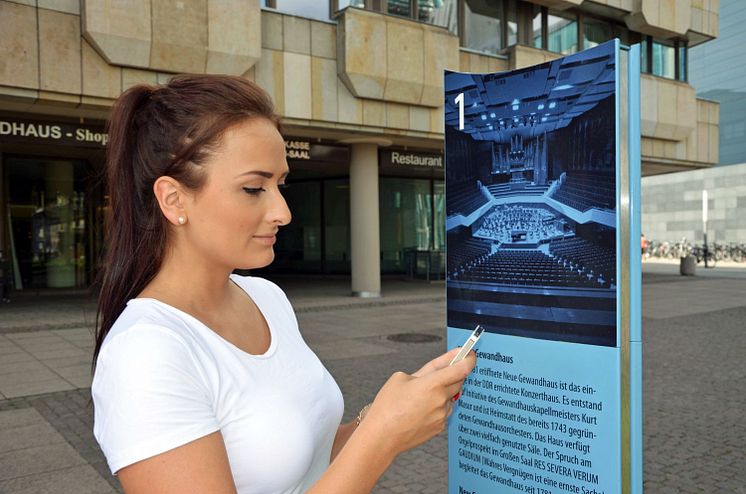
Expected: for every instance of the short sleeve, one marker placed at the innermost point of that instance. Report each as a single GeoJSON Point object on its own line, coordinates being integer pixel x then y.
{"type": "Point", "coordinates": [149, 396]}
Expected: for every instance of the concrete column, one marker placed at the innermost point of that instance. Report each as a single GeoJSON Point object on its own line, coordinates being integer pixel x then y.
{"type": "Point", "coordinates": [364, 225]}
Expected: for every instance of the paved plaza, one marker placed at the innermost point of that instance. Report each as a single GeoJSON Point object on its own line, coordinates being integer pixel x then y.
{"type": "Point", "coordinates": [694, 380]}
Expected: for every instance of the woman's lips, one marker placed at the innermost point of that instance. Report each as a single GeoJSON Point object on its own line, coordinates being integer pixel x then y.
{"type": "Point", "coordinates": [266, 239]}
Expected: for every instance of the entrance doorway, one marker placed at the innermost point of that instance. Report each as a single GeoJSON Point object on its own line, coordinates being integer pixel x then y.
{"type": "Point", "coordinates": [52, 243]}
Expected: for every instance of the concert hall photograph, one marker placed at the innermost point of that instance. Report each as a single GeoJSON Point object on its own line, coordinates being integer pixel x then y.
{"type": "Point", "coordinates": [531, 199]}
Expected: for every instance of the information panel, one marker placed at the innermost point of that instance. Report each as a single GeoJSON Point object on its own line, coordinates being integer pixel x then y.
{"type": "Point", "coordinates": [540, 216]}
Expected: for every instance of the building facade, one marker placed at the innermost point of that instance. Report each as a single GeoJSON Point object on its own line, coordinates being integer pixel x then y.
{"type": "Point", "coordinates": [359, 84]}
{"type": "Point", "coordinates": [718, 72]}
{"type": "Point", "coordinates": [672, 206]}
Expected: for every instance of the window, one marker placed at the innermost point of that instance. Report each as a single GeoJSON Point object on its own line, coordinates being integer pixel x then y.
{"type": "Point", "coordinates": [664, 59]}
{"type": "Point", "coordinates": [482, 27]}
{"type": "Point", "coordinates": [490, 26]}
{"type": "Point", "coordinates": [537, 38]}
{"type": "Point", "coordinates": [442, 13]}
{"type": "Point", "coordinates": [595, 32]}
{"type": "Point", "coordinates": [682, 63]}
{"type": "Point", "coordinates": [341, 4]}
{"type": "Point", "coordinates": [562, 33]}
{"type": "Point", "coordinates": [303, 8]}
{"type": "Point", "coordinates": [512, 22]}
{"type": "Point", "coordinates": [566, 32]}
{"type": "Point", "coordinates": [399, 7]}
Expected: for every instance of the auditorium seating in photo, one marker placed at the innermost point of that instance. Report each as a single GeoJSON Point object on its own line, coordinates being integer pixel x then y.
{"type": "Point", "coordinates": [464, 198]}
{"type": "Point", "coordinates": [465, 254]}
{"type": "Point", "coordinates": [505, 190]}
{"type": "Point", "coordinates": [584, 190]}
{"type": "Point", "coordinates": [593, 260]}
{"type": "Point", "coordinates": [527, 267]}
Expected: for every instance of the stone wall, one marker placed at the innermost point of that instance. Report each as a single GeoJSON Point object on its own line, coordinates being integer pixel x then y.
{"type": "Point", "coordinates": [672, 205]}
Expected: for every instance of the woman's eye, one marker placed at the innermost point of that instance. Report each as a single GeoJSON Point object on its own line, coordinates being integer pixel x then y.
{"type": "Point", "coordinates": [253, 191]}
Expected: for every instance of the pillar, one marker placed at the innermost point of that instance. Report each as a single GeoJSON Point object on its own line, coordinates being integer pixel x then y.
{"type": "Point", "coordinates": [364, 220]}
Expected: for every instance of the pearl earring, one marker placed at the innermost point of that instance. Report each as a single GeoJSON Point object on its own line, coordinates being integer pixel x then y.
{"type": "Point", "coordinates": [182, 220]}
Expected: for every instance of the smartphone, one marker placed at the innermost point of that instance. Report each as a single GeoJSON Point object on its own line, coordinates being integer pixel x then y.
{"type": "Point", "coordinates": [473, 338]}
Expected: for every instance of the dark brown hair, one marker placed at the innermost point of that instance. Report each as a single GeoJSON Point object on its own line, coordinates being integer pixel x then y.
{"type": "Point", "coordinates": [157, 131]}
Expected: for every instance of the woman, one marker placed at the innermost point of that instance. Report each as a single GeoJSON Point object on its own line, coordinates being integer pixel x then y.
{"type": "Point", "coordinates": [202, 381]}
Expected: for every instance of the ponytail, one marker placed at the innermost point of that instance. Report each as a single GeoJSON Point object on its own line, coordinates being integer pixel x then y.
{"type": "Point", "coordinates": [159, 131]}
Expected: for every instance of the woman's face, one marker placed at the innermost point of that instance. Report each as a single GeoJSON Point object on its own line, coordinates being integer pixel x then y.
{"type": "Point", "coordinates": [234, 217]}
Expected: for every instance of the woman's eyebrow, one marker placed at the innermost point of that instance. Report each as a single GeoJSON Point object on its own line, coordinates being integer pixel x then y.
{"type": "Point", "coordinates": [262, 174]}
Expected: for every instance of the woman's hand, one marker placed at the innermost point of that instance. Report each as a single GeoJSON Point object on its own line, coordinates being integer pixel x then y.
{"type": "Point", "coordinates": [410, 409]}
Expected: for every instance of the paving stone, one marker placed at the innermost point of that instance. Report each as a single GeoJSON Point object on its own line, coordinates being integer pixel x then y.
{"type": "Point", "coordinates": [694, 377]}
{"type": "Point", "coordinates": [36, 460]}
{"type": "Point", "coordinates": [77, 480]}
{"type": "Point", "coordinates": [13, 390]}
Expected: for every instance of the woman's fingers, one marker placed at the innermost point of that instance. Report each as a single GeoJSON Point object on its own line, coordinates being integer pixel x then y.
{"type": "Point", "coordinates": [437, 363]}
{"type": "Point", "coordinates": [452, 374]}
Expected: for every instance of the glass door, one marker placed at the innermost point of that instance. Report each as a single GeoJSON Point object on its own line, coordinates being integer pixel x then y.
{"type": "Point", "coordinates": [298, 247]}
{"type": "Point", "coordinates": [48, 204]}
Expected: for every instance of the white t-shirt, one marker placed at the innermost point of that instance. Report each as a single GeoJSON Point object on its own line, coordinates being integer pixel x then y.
{"type": "Point", "coordinates": [164, 379]}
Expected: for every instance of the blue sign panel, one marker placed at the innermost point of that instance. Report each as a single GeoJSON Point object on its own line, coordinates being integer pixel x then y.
{"type": "Point", "coordinates": [533, 190]}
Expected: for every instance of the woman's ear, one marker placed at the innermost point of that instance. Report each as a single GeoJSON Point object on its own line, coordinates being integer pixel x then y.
{"type": "Point", "coordinates": [171, 198]}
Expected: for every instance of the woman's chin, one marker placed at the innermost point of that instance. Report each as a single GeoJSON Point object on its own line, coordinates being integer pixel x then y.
{"type": "Point", "coordinates": [258, 262]}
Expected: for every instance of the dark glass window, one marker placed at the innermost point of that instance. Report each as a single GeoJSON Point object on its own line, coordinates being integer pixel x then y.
{"type": "Point", "coordinates": [536, 37]}
{"type": "Point", "coordinates": [512, 22]}
{"type": "Point", "coordinates": [682, 63]}
{"type": "Point", "coordinates": [50, 213]}
{"type": "Point", "coordinates": [341, 4]}
{"type": "Point", "coordinates": [303, 8]}
{"type": "Point", "coordinates": [443, 13]}
{"type": "Point", "coordinates": [482, 26]}
{"type": "Point", "coordinates": [664, 59]}
{"type": "Point", "coordinates": [400, 7]}
{"type": "Point", "coordinates": [562, 33]}
{"type": "Point", "coordinates": [595, 32]}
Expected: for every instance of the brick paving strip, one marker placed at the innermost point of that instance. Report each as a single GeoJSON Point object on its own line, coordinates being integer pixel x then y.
{"type": "Point", "coordinates": [695, 436]}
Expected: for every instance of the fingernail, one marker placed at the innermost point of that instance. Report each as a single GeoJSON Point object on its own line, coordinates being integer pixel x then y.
{"type": "Point", "coordinates": [456, 396]}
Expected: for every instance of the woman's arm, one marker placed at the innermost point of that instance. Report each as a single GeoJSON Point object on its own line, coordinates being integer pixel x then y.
{"type": "Point", "coordinates": [360, 463]}
{"type": "Point", "coordinates": [344, 431]}
{"type": "Point", "coordinates": [199, 466]}
{"type": "Point", "coordinates": [408, 411]}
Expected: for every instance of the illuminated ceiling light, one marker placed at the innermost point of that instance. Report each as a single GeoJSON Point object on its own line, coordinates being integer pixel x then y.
{"type": "Point", "coordinates": [484, 117]}
{"type": "Point", "coordinates": [492, 115]}
{"type": "Point", "coordinates": [541, 106]}
{"type": "Point", "coordinates": [563, 87]}
{"type": "Point", "coordinates": [474, 105]}
{"type": "Point", "coordinates": [515, 119]}
{"type": "Point", "coordinates": [543, 119]}
{"type": "Point", "coordinates": [552, 104]}
{"type": "Point", "coordinates": [515, 104]}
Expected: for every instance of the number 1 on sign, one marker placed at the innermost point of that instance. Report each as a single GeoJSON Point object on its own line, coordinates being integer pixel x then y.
{"type": "Point", "coordinates": [460, 102]}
